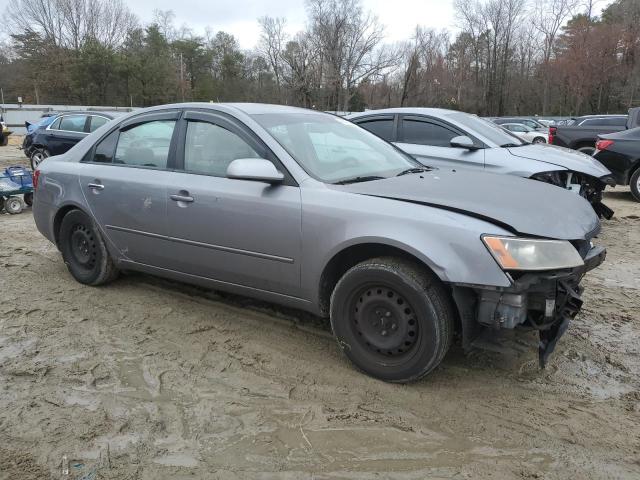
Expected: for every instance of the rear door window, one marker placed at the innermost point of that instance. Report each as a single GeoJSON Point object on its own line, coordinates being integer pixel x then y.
{"type": "Point", "coordinates": [73, 123]}
{"type": "Point", "coordinates": [146, 144]}
{"type": "Point", "coordinates": [421, 132]}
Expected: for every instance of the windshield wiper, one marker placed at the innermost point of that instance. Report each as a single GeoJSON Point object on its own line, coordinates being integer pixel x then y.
{"type": "Point", "coordinates": [366, 178]}
{"type": "Point", "coordinates": [414, 170]}
{"type": "Point", "coordinates": [507, 145]}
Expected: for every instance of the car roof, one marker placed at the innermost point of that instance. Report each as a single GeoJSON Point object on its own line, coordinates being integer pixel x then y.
{"type": "Point", "coordinates": [247, 108]}
{"type": "Point", "coordinates": [110, 115]}
{"type": "Point", "coordinates": [406, 111]}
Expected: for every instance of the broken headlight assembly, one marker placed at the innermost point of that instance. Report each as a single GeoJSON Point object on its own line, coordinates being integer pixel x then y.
{"type": "Point", "coordinates": [527, 254]}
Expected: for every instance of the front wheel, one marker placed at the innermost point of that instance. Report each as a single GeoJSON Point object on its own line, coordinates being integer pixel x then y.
{"type": "Point", "coordinates": [84, 251]}
{"type": "Point", "coordinates": [634, 183]}
{"type": "Point", "coordinates": [393, 319]}
{"type": "Point", "coordinates": [38, 155]}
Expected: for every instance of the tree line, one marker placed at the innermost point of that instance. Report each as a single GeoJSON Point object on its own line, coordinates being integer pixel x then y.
{"type": "Point", "coordinates": [546, 57]}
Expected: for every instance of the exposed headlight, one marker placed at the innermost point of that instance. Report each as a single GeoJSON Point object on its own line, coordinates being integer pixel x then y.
{"type": "Point", "coordinates": [514, 253]}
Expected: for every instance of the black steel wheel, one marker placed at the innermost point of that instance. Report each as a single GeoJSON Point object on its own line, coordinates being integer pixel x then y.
{"type": "Point", "coordinates": [84, 251]}
{"type": "Point", "coordinates": [392, 318]}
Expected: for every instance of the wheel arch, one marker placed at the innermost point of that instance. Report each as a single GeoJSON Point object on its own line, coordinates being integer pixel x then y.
{"type": "Point", "coordinates": [350, 255]}
{"type": "Point", "coordinates": [60, 214]}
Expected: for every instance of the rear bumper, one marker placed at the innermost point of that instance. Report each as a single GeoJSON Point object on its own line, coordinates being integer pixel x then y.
{"type": "Point", "coordinates": [543, 301]}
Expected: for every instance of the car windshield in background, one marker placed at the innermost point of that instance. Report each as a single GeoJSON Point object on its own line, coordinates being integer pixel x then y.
{"type": "Point", "coordinates": [487, 129]}
{"type": "Point", "coordinates": [334, 150]}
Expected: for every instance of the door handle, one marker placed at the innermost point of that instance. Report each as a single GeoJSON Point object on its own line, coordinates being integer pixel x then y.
{"type": "Point", "coordinates": [96, 186]}
{"type": "Point", "coordinates": [181, 198]}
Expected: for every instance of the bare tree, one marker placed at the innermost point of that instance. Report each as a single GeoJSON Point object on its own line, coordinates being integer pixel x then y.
{"type": "Point", "coordinates": [272, 41]}
{"type": "Point", "coordinates": [548, 17]}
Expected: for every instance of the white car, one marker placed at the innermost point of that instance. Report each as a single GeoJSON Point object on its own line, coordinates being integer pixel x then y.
{"type": "Point", "coordinates": [525, 133]}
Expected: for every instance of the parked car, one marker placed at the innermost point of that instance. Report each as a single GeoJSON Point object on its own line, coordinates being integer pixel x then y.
{"type": "Point", "coordinates": [524, 132]}
{"type": "Point", "coordinates": [455, 140]}
{"type": "Point", "coordinates": [546, 122]}
{"type": "Point", "coordinates": [529, 122]}
{"type": "Point", "coordinates": [620, 153]}
{"type": "Point", "coordinates": [63, 132]}
{"type": "Point", "coordinates": [305, 209]}
{"type": "Point", "coordinates": [33, 129]}
{"type": "Point", "coordinates": [582, 132]}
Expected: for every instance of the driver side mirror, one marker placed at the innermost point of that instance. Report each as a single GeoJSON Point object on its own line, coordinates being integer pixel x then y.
{"type": "Point", "coordinates": [463, 141]}
{"type": "Point", "coordinates": [256, 169]}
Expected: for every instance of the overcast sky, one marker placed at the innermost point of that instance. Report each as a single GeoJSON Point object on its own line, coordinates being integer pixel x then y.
{"type": "Point", "coordinates": [239, 17]}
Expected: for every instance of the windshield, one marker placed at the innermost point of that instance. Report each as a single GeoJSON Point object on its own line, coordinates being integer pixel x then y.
{"type": "Point", "coordinates": [487, 129]}
{"type": "Point", "coordinates": [334, 150]}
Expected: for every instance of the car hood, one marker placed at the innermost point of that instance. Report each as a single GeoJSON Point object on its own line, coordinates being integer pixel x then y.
{"type": "Point", "coordinates": [526, 207]}
{"type": "Point", "coordinates": [562, 157]}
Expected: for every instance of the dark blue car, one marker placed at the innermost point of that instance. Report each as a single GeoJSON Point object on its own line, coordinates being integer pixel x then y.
{"type": "Point", "coordinates": [56, 134]}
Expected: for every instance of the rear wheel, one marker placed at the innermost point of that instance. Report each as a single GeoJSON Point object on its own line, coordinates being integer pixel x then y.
{"type": "Point", "coordinates": [13, 205]}
{"type": "Point", "coordinates": [587, 150]}
{"type": "Point", "coordinates": [84, 251]}
{"type": "Point", "coordinates": [634, 183]}
{"type": "Point", "coordinates": [38, 155]}
{"type": "Point", "coordinates": [393, 319]}
{"type": "Point", "coordinates": [539, 140]}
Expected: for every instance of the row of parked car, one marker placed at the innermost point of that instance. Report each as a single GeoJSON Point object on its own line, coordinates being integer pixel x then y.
{"type": "Point", "coordinates": [406, 227]}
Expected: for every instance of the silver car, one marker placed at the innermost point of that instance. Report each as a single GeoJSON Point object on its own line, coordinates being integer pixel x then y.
{"type": "Point", "coordinates": [457, 140]}
{"type": "Point", "coordinates": [310, 211]}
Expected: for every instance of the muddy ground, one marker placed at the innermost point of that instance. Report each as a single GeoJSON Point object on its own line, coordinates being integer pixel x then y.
{"type": "Point", "coordinates": [149, 379]}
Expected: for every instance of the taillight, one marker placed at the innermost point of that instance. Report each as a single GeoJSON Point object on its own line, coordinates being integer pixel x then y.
{"type": "Point", "coordinates": [36, 176]}
{"type": "Point", "coordinates": [603, 144]}
{"type": "Point", "coordinates": [552, 134]}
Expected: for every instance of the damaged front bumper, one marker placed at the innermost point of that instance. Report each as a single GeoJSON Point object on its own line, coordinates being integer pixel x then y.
{"type": "Point", "coordinates": [544, 301]}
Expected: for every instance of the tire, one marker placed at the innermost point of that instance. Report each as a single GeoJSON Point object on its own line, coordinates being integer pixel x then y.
{"type": "Point", "coordinates": [393, 319]}
{"type": "Point", "coordinates": [37, 156]}
{"type": "Point", "coordinates": [587, 150]}
{"type": "Point", "coordinates": [539, 140]}
{"type": "Point", "coordinates": [634, 184]}
{"type": "Point", "coordinates": [84, 251]}
{"type": "Point", "coordinates": [13, 205]}
{"type": "Point", "coordinates": [28, 198]}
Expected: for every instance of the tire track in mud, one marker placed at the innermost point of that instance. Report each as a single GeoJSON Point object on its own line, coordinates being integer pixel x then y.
{"type": "Point", "coordinates": [148, 378]}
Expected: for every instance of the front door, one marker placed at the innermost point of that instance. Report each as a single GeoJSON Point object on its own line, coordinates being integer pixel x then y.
{"type": "Point", "coordinates": [241, 232]}
{"type": "Point", "coordinates": [428, 141]}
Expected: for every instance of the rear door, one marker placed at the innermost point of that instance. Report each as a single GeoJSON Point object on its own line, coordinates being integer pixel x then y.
{"type": "Point", "coordinates": [124, 181]}
{"type": "Point", "coordinates": [64, 134]}
{"type": "Point", "coordinates": [236, 231]}
{"type": "Point", "coordinates": [428, 140]}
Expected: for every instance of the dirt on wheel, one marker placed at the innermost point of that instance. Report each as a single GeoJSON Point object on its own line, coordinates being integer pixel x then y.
{"type": "Point", "coordinates": [150, 379]}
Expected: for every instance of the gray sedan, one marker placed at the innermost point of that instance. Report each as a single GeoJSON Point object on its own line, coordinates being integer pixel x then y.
{"type": "Point", "coordinates": [457, 140]}
{"type": "Point", "coordinates": [310, 211]}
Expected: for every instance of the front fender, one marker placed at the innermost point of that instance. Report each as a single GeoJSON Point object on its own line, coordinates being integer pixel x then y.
{"type": "Point", "coordinates": [447, 242]}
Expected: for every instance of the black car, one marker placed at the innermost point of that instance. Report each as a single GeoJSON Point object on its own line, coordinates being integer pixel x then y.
{"type": "Point", "coordinates": [620, 153]}
{"type": "Point", "coordinates": [582, 132]}
{"type": "Point", "coordinates": [63, 132]}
